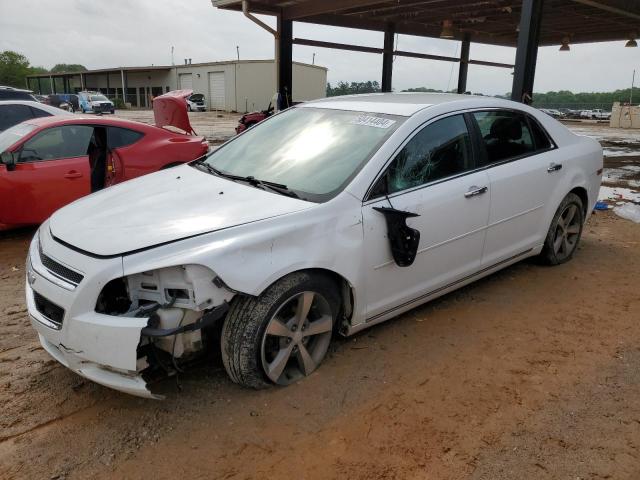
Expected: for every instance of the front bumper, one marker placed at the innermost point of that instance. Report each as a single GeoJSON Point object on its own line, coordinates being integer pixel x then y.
{"type": "Point", "coordinates": [132, 384]}
{"type": "Point", "coordinates": [100, 347]}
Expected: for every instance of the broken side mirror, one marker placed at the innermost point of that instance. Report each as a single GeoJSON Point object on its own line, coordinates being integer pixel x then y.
{"type": "Point", "coordinates": [9, 159]}
{"type": "Point", "coordinates": [403, 239]}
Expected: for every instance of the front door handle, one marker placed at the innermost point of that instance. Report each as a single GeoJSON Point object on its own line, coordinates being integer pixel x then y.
{"type": "Point", "coordinates": [554, 167]}
{"type": "Point", "coordinates": [475, 191]}
{"type": "Point", "coordinates": [72, 174]}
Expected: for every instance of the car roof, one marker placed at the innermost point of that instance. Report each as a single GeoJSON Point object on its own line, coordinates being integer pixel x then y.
{"type": "Point", "coordinates": [404, 103]}
{"type": "Point", "coordinates": [13, 89]}
{"type": "Point", "coordinates": [89, 120]}
{"type": "Point", "coordinates": [34, 104]}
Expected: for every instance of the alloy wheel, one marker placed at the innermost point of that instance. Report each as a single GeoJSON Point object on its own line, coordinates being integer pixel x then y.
{"type": "Point", "coordinates": [297, 337]}
{"type": "Point", "coordinates": [567, 232]}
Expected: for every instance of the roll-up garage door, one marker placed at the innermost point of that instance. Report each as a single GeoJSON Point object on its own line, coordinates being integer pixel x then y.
{"type": "Point", "coordinates": [217, 96]}
{"type": "Point", "coordinates": [186, 81]}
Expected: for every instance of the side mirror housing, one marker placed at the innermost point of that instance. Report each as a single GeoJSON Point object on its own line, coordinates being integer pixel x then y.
{"type": "Point", "coordinates": [9, 159]}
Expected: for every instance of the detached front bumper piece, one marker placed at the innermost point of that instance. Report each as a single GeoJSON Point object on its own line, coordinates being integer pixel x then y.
{"type": "Point", "coordinates": [126, 382]}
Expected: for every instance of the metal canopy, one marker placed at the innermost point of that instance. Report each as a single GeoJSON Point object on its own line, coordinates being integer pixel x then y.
{"type": "Point", "coordinates": [484, 21]}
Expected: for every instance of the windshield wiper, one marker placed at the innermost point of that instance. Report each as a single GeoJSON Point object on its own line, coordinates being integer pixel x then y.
{"type": "Point", "coordinates": [251, 180]}
{"type": "Point", "coordinates": [276, 187]}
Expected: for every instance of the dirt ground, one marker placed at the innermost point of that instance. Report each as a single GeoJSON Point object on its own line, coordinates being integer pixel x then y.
{"type": "Point", "coordinates": [216, 127]}
{"type": "Point", "coordinates": [531, 373]}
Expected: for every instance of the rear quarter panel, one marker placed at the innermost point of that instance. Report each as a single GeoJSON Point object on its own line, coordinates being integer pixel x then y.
{"type": "Point", "coordinates": [582, 162]}
{"type": "Point", "coordinates": [157, 150]}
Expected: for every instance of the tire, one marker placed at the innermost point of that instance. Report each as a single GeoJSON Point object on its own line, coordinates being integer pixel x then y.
{"type": "Point", "coordinates": [188, 108]}
{"type": "Point", "coordinates": [256, 335]}
{"type": "Point", "coordinates": [564, 232]}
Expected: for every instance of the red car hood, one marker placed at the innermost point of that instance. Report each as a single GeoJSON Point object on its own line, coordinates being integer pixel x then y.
{"type": "Point", "coordinates": [171, 109]}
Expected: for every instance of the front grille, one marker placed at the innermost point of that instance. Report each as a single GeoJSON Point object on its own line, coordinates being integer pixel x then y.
{"type": "Point", "coordinates": [59, 270]}
{"type": "Point", "coordinates": [48, 309]}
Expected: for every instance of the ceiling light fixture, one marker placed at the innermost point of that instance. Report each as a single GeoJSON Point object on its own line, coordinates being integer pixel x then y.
{"type": "Point", "coordinates": [447, 29]}
{"type": "Point", "coordinates": [565, 45]}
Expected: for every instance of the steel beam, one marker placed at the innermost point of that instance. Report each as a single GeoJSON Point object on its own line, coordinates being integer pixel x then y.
{"type": "Point", "coordinates": [387, 58]}
{"type": "Point", "coordinates": [464, 64]}
{"type": "Point", "coordinates": [337, 46]}
{"type": "Point", "coordinates": [527, 52]}
{"type": "Point", "coordinates": [285, 61]}
{"type": "Point", "coordinates": [311, 8]}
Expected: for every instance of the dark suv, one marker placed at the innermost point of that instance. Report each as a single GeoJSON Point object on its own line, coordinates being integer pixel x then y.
{"type": "Point", "coordinates": [10, 93]}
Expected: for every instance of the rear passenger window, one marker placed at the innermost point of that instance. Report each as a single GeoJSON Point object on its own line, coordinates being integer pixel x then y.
{"type": "Point", "coordinates": [121, 137]}
{"type": "Point", "coordinates": [11, 115]}
{"type": "Point", "coordinates": [505, 134]}
{"type": "Point", "coordinates": [37, 113]}
{"type": "Point", "coordinates": [439, 150]}
{"type": "Point", "coordinates": [540, 138]}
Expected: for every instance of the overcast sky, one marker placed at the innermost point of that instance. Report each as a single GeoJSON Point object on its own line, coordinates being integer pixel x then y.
{"type": "Point", "coordinates": [101, 33]}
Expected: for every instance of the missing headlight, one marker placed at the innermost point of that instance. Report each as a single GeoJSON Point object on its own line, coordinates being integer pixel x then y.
{"type": "Point", "coordinates": [114, 298]}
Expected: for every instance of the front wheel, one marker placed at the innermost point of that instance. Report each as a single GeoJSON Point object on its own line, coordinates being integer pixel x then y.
{"type": "Point", "coordinates": [188, 108]}
{"type": "Point", "coordinates": [565, 231]}
{"type": "Point", "coordinates": [282, 335]}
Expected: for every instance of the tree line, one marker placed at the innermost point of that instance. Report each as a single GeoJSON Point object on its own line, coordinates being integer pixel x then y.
{"type": "Point", "coordinates": [562, 98]}
{"type": "Point", "coordinates": [14, 68]}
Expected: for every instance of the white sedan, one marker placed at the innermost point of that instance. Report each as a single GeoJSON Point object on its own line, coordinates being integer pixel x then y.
{"type": "Point", "coordinates": [13, 112]}
{"type": "Point", "coordinates": [331, 216]}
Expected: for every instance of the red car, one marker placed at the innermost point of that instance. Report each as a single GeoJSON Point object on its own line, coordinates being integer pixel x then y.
{"type": "Point", "coordinates": [49, 162]}
{"type": "Point", "coordinates": [248, 120]}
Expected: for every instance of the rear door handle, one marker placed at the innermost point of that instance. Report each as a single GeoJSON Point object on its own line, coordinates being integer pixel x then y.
{"type": "Point", "coordinates": [475, 191]}
{"type": "Point", "coordinates": [72, 174]}
{"type": "Point", "coordinates": [554, 167]}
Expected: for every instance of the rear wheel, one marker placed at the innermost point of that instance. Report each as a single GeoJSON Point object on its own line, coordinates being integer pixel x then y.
{"type": "Point", "coordinates": [565, 231]}
{"type": "Point", "coordinates": [282, 335]}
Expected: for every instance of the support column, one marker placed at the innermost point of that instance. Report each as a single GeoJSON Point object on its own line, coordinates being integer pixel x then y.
{"type": "Point", "coordinates": [124, 86]}
{"type": "Point", "coordinates": [39, 87]}
{"type": "Point", "coordinates": [53, 85]}
{"type": "Point", "coordinates": [387, 58]}
{"type": "Point", "coordinates": [285, 61]}
{"type": "Point", "coordinates": [108, 83]}
{"type": "Point", "coordinates": [464, 64]}
{"type": "Point", "coordinates": [527, 53]}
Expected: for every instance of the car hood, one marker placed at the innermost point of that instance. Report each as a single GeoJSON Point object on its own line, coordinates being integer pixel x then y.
{"type": "Point", "coordinates": [161, 208]}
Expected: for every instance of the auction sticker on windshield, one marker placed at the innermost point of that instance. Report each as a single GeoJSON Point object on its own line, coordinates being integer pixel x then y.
{"type": "Point", "coordinates": [371, 121]}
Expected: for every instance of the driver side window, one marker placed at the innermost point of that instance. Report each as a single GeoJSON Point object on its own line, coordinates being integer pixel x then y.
{"type": "Point", "coordinates": [58, 142]}
{"type": "Point", "coordinates": [441, 149]}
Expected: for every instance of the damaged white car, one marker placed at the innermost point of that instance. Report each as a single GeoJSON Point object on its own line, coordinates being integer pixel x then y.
{"type": "Point", "coordinates": [331, 216]}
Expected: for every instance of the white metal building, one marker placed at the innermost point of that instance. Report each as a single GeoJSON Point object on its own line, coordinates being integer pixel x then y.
{"type": "Point", "coordinates": [244, 85]}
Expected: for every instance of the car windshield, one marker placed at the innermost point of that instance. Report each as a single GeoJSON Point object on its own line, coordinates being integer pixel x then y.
{"type": "Point", "coordinates": [14, 134]}
{"type": "Point", "coordinates": [315, 152]}
{"type": "Point", "coordinates": [99, 98]}
{"type": "Point", "coordinates": [196, 97]}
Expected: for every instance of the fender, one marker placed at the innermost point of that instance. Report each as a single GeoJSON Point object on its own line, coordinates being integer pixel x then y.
{"type": "Point", "coordinates": [249, 259]}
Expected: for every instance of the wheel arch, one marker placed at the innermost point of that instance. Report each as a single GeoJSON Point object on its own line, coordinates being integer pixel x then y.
{"type": "Point", "coordinates": [581, 192]}
{"type": "Point", "coordinates": [345, 288]}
